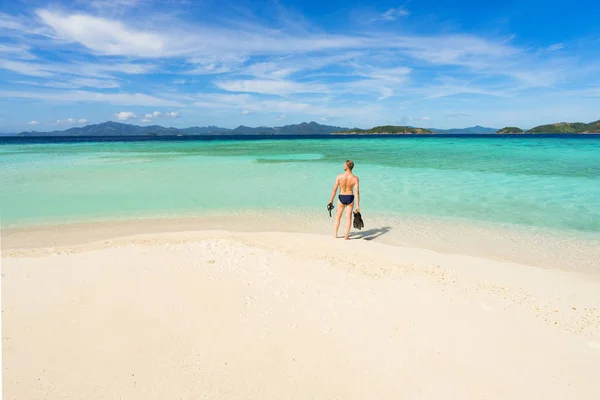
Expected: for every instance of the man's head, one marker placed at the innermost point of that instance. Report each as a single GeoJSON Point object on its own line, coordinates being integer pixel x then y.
{"type": "Point", "coordinates": [348, 165]}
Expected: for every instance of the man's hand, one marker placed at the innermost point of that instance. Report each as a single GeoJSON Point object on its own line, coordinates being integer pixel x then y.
{"type": "Point", "coordinates": [357, 209]}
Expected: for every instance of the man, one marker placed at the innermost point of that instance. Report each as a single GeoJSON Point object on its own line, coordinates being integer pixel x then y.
{"type": "Point", "coordinates": [348, 184]}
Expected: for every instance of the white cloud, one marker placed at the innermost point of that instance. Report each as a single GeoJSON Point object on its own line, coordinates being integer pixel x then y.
{"type": "Point", "coordinates": [103, 36]}
{"type": "Point", "coordinates": [155, 114]}
{"type": "Point", "coordinates": [125, 115]}
{"type": "Point", "coordinates": [34, 122]}
{"type": "Point", "coordinates": [146, 120]}
{"type": "Point", "coordinates": [281, 117]}
{"type": "Point", "coordinates": [244, 112]}
{"type": "Point", "coordinates": [158, 114]}
{"type": "Point", "coordinates": [70, 121]}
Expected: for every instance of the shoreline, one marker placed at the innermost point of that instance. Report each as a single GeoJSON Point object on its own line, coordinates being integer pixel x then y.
{"type": "Point", "coordinates": [539, 248]}
{"type": "Point", "coordinates": [261, 314]}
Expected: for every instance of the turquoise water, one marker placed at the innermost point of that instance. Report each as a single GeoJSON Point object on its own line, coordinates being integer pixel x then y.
{"type": "Point", "coordinates": [538, 182]}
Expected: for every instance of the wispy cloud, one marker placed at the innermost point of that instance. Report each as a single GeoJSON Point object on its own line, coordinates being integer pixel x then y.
{"type": "Point", "coordinates": [68, 71]}
{"type": "Point", "coordinates": [556, 47]}
{"type": "Point", "coordinates": [214, 65]}
{"type": "Point", "coordinates": [458, 115]}
{"type": "Point", "coordinates": [275, 87]}
{"type": "Point", "coordinates": [77, 96]}
{"type": "Point", "coordinates": [391, 14]}
{"type": "Point", "coordinates": [70, 121]}
{"type": "Point", "coordinates": [113, 37]}
{"type": "Point", "coordinates": [21, 52]}
{"type": "Point", "coordinates": [74, 83]}
{"type": "Point", "coordinates": [33, 122]}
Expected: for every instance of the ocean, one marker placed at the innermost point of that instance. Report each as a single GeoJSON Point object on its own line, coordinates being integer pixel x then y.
{"type": "Point", "coordinates": [544, 182]}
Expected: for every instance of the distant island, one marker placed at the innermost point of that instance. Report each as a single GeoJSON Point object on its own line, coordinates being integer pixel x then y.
{"type": "Point", "coordinates": [111, 128]}
{"type": "Point", "coordinates": [559, 127]}
{"type": "Point", "coordinates": [473, 130]}
{"type": "Point", "coordinates": [510, 129]}
{"type": "Point", "coordinates": [388, 129]}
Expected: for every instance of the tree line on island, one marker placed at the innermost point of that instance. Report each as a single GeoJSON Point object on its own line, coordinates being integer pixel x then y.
{"type": "Point", "coordinates": [560, 127]}
{"type": "Point", "coordinates": [388, 129]}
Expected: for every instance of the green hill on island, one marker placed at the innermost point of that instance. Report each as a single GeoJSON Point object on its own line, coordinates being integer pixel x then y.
{"type": "Point", "coordinates": [568, 127]}
{"type": "Point", "coordinates": [510, 129]}
{"type": "Point", "coordinates": [389, 129]}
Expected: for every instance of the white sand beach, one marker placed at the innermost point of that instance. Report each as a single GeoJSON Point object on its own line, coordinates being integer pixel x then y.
{"type": "Point", "coordinates": [226, 315]}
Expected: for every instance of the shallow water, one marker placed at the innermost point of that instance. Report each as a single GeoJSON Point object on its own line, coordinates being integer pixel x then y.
{"type": "Point", "coordinates": [545, 183]}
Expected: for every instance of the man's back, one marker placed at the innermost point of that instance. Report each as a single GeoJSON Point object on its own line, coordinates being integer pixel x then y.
{"type": "Point", "coordinates": [347, 181]}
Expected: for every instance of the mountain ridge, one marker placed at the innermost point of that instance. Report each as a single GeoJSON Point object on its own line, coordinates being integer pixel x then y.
{"type": "Point", "coordinates": [111, 128]}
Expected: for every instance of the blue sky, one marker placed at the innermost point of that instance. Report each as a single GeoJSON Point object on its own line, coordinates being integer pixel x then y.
{"type": "Point", "coordinates": [184, 63]}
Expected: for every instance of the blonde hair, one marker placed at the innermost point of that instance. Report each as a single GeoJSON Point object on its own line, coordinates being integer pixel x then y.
{"type": "Point", "coordinates": [350, 164]}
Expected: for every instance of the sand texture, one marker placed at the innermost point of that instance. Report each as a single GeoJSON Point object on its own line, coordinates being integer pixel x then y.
{"type": "Point", "coordinates": [225, 315]}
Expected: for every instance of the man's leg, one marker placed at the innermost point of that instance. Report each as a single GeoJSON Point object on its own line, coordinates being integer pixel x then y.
{"type": "Point", "coordinates": [349, 219]}
{"type": "Point", "coordinates": [338, 217]}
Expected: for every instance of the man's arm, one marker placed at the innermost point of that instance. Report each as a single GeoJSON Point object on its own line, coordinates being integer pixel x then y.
{"type": "Point", "coordinates": [357, 196]}
{"type": "Point", "coordinates": [334, 191]}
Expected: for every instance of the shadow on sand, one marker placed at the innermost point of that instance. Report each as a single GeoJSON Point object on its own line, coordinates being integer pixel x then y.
{"type": "Point", "coordinates": [369, 234]}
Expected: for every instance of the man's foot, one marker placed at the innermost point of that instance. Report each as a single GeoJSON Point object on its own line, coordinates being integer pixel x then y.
{"type": "Point", "coordinates": [346, 238]}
